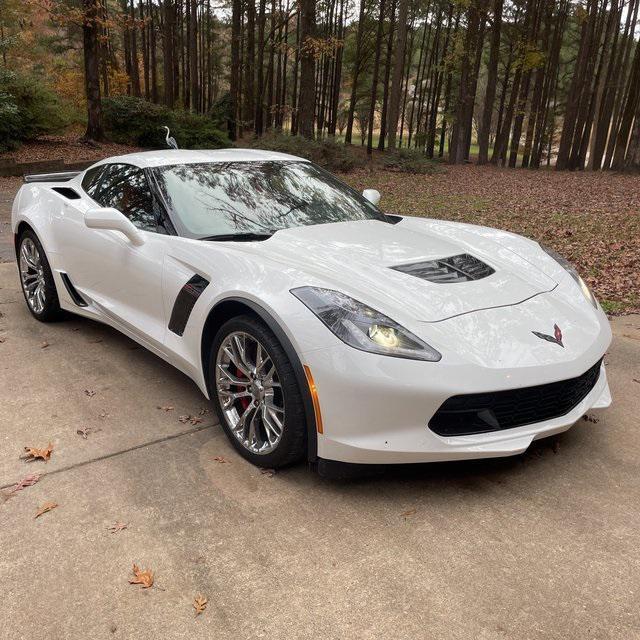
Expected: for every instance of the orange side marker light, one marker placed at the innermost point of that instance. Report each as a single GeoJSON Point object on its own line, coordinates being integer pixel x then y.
{"type": "Point", "coordinates": [314, 398]}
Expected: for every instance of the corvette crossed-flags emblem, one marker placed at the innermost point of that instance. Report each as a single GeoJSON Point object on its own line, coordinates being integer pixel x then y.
{"type": "Point", "coordinates": [555, 338]}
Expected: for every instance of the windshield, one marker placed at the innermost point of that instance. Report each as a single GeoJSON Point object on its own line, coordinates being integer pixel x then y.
{"type": "Point", "coordinates": [211, 199]}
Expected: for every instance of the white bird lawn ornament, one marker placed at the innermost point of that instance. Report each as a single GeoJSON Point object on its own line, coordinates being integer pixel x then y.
{"type": "Point", "coordinates": [171, 141]}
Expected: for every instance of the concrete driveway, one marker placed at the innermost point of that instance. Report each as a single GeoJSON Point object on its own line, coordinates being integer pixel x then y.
{"type": "Point", "coordinates": [544, 545]}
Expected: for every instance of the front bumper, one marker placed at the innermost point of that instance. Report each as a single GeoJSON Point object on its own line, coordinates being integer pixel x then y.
{"type": "Point", "coordinates": [376, 409]}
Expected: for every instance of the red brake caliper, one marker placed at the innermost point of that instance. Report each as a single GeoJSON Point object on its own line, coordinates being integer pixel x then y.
{"type": "Point", "coordinates": [244, 402]}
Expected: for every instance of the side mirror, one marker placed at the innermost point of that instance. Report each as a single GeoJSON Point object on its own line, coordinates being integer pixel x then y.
{"type": "Point", "coordinates": [372, 195]}
{"type": "Point", "coordinates": [111, 219]}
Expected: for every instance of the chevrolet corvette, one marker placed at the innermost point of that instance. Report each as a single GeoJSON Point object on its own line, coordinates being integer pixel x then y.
{"type": "Point", "coordinates": [320, 327]}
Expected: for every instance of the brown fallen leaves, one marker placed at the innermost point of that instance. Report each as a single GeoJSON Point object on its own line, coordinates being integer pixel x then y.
{"type": "Point", "coordinates": [142, 577]}
{"type": "Point", "coordinates": [44, 345]}
{"type": "Point", "coordinates": [32, 453]}
{"type": "Point", "coordinates": [27, 481]}
{"type": "Point", "coordinates": [200, 604]}
{"type": "Point", "coordinates": [89, 393]}
{"type": "Point", "coordinates": [190, 419]}
{"type": "Point", "coordinates": [47, 506]}
{"type": "Point", "coordinates": [117, 526]}
{"type": "Point", "coordinates": [268, 472]}
{"type": "Point", "coordinates": [221, 459]}
{"type": "Point", "coordinates": [166, 408]}
{"type": "Point", "coordinates": [409, 512]}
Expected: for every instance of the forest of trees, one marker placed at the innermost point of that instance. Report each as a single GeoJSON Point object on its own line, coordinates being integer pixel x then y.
{"type": "Point", "coordinates": [511, 82]}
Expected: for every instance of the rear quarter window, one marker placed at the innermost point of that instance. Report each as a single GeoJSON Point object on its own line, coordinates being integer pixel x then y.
{"type": "Point", "coordinates": [91, 180]}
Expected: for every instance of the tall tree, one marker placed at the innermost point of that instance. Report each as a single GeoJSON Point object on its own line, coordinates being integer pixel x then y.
{"type": "Point", "coordinates": [355, 74]}
{"type": "Point", "coordinates": [90, 32]}
{"type": "Point", "coordinates": [492, 81]}
{"type": "Point", "coordinates": [396, 81]}
{"type": "Point", "coordinates": [374, 80]}
{"type": "Point", "coordinates": [234, 91]}
{"type": "Point", "coordinates": [306, 102]}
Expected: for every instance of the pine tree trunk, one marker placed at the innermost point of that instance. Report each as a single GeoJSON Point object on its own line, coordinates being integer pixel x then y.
{"type": "Point", "coordinates": [307, 68]}
{"type": "Point", "coordinates": [168, 53]}
{"type": "Point", "coordinates": [357, 63]}
{"type": "Point", "coordinates": [135, 70]}
{"type": "Point", "coordinates": [492, 79]}
{"type": "Point", "coordinates": [152, 53]}
{"type": "Point", "coordinates": [260, 67]}
{"type": "Point", "coordinates": [396, 81]}
{"type": "Point", "coordinates": [374, 79]}
{"type": "Point", "coordinates": [249, 75]}
{"type": "Point", "coordinates": [387, 74]}
{"type": "Point", "coordinates": [90, 32]}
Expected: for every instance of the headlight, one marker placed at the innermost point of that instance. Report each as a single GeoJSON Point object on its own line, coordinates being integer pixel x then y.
{"type": "Point", "coordinates": [563, 262]}
{"type": "Point", "coordinates": [362, 327]}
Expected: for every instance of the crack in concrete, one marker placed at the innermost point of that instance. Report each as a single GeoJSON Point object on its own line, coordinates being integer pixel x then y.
{"type": "Point", "coordinates": [118, 453]}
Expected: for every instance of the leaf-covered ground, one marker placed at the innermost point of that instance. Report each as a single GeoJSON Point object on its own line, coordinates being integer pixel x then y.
{"type": "Point", "coordinates": [68, 146]}
{"type": "Point", "coordinates": [592, 219]}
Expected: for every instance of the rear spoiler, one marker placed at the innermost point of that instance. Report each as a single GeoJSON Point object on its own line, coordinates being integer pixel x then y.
{"type": "Point", "coordinates": [61, 176]}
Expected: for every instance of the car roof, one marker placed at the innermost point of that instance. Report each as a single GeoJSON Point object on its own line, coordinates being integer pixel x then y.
{"type": "Point", "coordinates": [185, 156]}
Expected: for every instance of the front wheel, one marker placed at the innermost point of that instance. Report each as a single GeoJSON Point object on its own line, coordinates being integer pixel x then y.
{"type": "Point", "coordinates": [36, 278]}
{"type": "Point", "coordinates": [256, 395]}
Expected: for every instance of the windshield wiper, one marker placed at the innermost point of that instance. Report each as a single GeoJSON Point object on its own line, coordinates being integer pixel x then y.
{"type": "Point", "coordinates": [243, 236]}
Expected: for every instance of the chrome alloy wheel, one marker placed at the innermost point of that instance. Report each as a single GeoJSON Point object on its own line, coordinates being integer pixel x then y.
{"type": "Point", "coordinates": [249, 392]}
{"type": "Point", "coordinates": [32, 275]}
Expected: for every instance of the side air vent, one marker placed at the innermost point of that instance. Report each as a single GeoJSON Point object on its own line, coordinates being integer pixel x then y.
{"type": "Point", "coordinates": [185, 301]}
{"type": "Point", "coordinates": [67, 193]}
{"type": "Point", "coordinates": [73, 292]}
{"type": "Point", "coordinates": [460, 268]}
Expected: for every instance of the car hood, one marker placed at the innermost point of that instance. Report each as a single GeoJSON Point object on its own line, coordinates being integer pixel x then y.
{"type": "Point", "coordinates": [357, 258]}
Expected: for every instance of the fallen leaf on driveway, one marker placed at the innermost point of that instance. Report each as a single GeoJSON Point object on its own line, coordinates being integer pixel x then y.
{"type": "Point", "coordinates": [203, 412]}
{"type": "Point", "coordinates": [27, 481]}
{"type": "Point", "coordinates": [2, 339]}
{"type": "Point", "coordinates": [167, 408]}
{"type": "Point", "coordinates": [636, 380]}
{"type": "Point", "coordinates": [200, 604]}
{"type": "Point", "coordinates": [406, 514]}
{"type": "Point", "coordinates": [184, 419]}
{"type": "Point", "coordinates": [268, 472]}
{"type": "Point", "coordinates": [145, 578]}
{"type": "Point", "coordinates": [89, 392]}
{"type": "Point", "coordinates": [221, 460]}
{"type": "Point", "coordinates": [47, 506]}
{"type": "Point", "coordinates": [190, 419]}
{"type": "Point", "coordinates": [31, 453]}
{"type": "Point", "coordinates": [84, 432]}
{"type": "Point", "coordinates": [117, 526]}
{"type": "Point", "coordinates": [44, 345]}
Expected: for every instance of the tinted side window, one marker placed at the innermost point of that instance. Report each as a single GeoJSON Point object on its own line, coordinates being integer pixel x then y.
{"type": "Point", "coordinates": [91, 180]}
{"type": "Point", "coordinates": [125, 188]}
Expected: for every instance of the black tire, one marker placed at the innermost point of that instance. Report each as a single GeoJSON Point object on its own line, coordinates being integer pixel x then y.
{"type": "Point", "coordinates": [51, 310]}
{"type": "Point", "coordinates": [291, 447]}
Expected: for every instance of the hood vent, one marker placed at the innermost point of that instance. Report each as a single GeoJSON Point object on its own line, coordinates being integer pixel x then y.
{"type": "Point", "coordinates": [460, 268]}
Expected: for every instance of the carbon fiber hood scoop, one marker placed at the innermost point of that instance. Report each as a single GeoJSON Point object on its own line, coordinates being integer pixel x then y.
{"type": "Point", "coordinates": [460, 268]}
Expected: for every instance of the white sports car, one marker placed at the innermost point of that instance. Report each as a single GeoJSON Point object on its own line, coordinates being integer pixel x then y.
{"type": "Point", "coordinates": [320, 327]}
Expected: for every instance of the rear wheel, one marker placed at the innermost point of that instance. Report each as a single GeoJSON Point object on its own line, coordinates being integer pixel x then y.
{"type": "Point", "coordinates": [256, 394]}
{"type": "Point", "coordinates": [36, 278]}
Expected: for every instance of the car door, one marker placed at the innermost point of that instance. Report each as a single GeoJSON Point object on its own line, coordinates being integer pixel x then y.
{"type": "Point", "coordinates": [123, 280]}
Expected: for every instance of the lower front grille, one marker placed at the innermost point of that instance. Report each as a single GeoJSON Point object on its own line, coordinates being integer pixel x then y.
{"type": "Point", "coordinates": [485, 412]}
